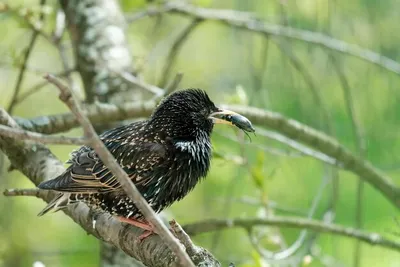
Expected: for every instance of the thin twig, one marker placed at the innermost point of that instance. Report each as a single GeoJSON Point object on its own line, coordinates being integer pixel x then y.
{"type": "Point", "coordinates": [21, 73]}
{"type": "Point", "coordinates": [108, 159]}
{"type": "Point", "coordinates": [149, 12]}
{"type": "Point", "coordinates": [269, 205]}
{"type": "Point", "coordinates": [360, 148]}
{"type": "Point", "coordinates": [299, 147]}
{"type": "Point", "coordinates": [291, 222]}
{"type": "Point", "coordinates": [326, 260]}
{"type": "Point", "coordinates": [40, 85]}
{"type": "Point", "coordinates": [41, 138]}
{"type": "Point", "coordinates": [135, 81]}
{"type": "Point", "coordinates": [64, 61]}
{"type": "Point", "coordinates": [34, 192]}
{"type": "Point", "coordinates": [335, 188]}
{"type": "Point", "coordinates": [324, 114]}
{"type": "Point", "coordinates": [272, 150]}
{"type": "Point", "coordinates": [257, 74]}
{"type": "Point", "coordinates": [173, 85]}
{"type": "Point", "coordinates": [304, 240]}
{"type": "Point", "coordinates": [174, 50]}
{"type": "Point", "coordinates": [183, 237]}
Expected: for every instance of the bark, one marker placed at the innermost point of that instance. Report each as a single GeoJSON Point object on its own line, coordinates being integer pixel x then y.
{"type": "Point", "coordinates": [97, 31]}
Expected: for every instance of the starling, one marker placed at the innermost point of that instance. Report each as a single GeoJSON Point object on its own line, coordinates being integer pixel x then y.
{"type": "Point", "coordinates": [164, 156]}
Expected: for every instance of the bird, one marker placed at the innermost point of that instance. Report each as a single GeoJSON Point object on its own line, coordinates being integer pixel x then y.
{"type": "Point", "coordinates": [165, 156]}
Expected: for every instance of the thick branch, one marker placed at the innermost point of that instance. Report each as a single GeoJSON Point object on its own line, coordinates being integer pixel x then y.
{"type": "Point", "coordinates": [292, 222]}
{"type": "Point", "coordinates": [37, 163]}
{"type": "Point", "coordinates": [97, 113]}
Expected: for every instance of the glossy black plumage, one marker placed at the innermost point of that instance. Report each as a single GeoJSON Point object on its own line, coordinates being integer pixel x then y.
{"type": "Point", "coordinates": [165, 156]}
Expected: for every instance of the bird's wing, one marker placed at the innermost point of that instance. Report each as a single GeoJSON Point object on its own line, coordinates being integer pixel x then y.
{"type": "Point", "coordinates": [87, 173]}
{"type": "Point", "coordinates": [139, 161]}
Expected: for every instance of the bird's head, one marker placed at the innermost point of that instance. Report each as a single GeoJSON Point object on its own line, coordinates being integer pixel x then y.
{"type": "Point", "coordinates": [190, 112]}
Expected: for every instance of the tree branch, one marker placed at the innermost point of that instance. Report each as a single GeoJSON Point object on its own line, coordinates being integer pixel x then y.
{"type": "Point", "coordinates": [292, 222]}
{"type": "Point", "coordinates": [24, 95]}
{"type": "Point", "coordinates": [247, 22]}
{"type": "Point", "coordinates": [41, 138]}
{"type": "Point", "coordinates": [34, 192]}
{"type": "Point", "coordinates": [97, 113]}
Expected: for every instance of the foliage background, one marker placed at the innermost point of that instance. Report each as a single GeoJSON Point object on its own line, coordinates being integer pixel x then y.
{"type": "Point", "coordinates": [234, 66]}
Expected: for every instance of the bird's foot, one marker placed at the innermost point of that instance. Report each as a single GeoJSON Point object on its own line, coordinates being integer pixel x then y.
{"type": "Point", "coordinates": [145, 235]}
{"type": "Point", "coordinates": [142, 224]}
{"type": "Point", "coordinates": [148, 227]}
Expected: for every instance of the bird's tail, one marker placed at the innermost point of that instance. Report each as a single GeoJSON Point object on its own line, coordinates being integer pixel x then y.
{"type": "Point", "coordinates": [61, 201]}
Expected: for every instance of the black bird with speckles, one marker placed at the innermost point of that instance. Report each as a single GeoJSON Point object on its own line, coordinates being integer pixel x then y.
{"type": "Point", "coordinates": [164, 156]}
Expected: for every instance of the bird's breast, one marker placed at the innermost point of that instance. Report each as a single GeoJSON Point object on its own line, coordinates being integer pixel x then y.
{"type": "Point", "coordinates": [193, 158]}
{"type": "Point", "coordinates": [188, 165]}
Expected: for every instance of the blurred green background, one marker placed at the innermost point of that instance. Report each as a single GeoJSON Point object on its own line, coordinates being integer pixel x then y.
{"type": "Point", "coordinates": [235, 66]}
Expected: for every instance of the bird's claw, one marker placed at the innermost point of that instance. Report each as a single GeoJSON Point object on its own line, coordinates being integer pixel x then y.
{"type": "Point", "coordinates": [145, 235]}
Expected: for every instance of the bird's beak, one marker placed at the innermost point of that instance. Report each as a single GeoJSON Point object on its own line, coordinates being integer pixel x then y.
{"type": "Point", "coordinates": [224, 116]}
